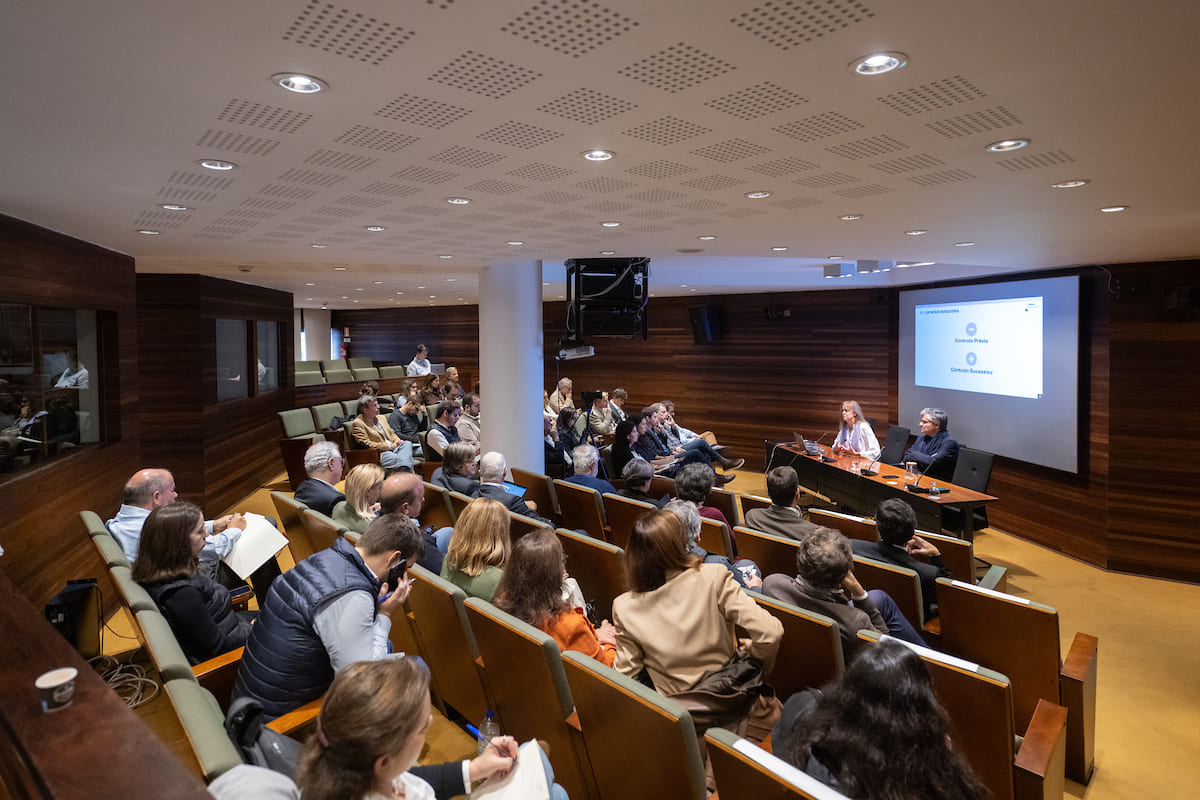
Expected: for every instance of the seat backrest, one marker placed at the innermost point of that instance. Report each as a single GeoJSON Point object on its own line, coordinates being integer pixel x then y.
{"type": "Point", "coordinates": [162, 646]}
{"type": "Point", "coordinates": [621, 513]}
{"type": "Point", "coordinates": [349, 410]}
{"type": "Point", "coordinates": [339, 375]}
{"type": "Point", "coordinates": [744, 771]}
{"type": "Point", "coordinates": [610, 466]}
{"type": "Point", "coordinates": [893, 445]}
{"type": "Point", "coordinates": [333, 363]}
{"type": "Point", "coordinates": [851, 526]}
{"type": "Point", "coordinates": [1009, 634]}
{"type": "Point", "coordinates": [365, 373]}
{"type": "Point", "coordinates": [810, 654]}
{"type": "Point", "coordinates": [539, 488]}
{"type": "Point", "coordinates": [324, 414]}
{"type": "Point", "coordinates": [772, 553]}
{"type": "Point", "coordinates": [598, 566]}
{"type": "Point", "coordinates": [529, 689]}
{"type": "Point", "coordinates": [749, 501]}
{"type": "Point", "coordinates": [973, 470]}
{"type": "Point", "coordinates": [714, 537]}
{"type": "Point", "coordinates": [519, 525]}
{"type": "Point", "coordinates": [110, 551]}
{"type": "Point", "coordinates": [289, 511]}
{"type": "Point", "coordinates": [309, 378]}
{"type": "Point", "coordinates": [322, 530]}
{"type": "Point", "coordinates": [359, 363]}
{"type": "Point", "coordinates": [458, 502]}
{"type": "Point", "coordinates": [133, 596]}
{"type": "Point", "coordinates": [724, 501]}
{"type": "Point", "coordinates": [641, 745]}
{"type": "Point", "coordinates": [436, 511]}
{"type": "Point", "coordinates": [447, 643]}
{"type": "Point", "coordinates": [902, 584]}
{"type": "Point", "coordinates": [957, 554]}
{"type": "Point", "coordinates": [93, 524]}
{"type": "Point", "coordinates": [581, 508]}
{"type": "Point", "coordinates": [392, 372]}
{"type": "Point", "coordinates": [204, 725]}
{"type": "Point", "coordinates": [308, 366]}
{"type": "Point", "coordinates": [660, 485]}
{"type": "Point", "coordinates": [296, 422]}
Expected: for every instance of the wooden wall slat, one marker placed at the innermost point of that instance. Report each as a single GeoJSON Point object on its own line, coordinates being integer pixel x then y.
{"type": "Point", "coordinates": [391, 335]}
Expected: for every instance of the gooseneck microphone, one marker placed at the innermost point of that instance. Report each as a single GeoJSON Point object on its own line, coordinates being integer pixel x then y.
{"type": "Point", "coordinates": [916, 487]}
{"type": "Point", "coordinates": [867, 469]}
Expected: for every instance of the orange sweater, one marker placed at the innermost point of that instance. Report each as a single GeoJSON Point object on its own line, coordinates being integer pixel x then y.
{"type": "Point", "coordinates": [573, 631]}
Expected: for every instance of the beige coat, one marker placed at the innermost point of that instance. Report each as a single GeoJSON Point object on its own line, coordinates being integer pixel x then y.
{"type": "Point", "coordinates": [368, 435]}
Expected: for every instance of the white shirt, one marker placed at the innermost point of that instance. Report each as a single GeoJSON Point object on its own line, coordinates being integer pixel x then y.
{"type": "Point", "coordinates": [73, 380]}
{"type": "Point", "coordinates": [421, 367]}
{"type": "Point", "coordinates": [346, 628]}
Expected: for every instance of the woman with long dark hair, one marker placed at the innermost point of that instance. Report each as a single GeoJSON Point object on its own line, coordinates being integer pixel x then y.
{"type": "Point", "coordinates": [624, 439]}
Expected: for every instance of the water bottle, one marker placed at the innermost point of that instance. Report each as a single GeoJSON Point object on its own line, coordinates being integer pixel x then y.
{"type": "Point", "coordinates": [934, 489]}
{"type": "Point", "coordinates": [488, 730]}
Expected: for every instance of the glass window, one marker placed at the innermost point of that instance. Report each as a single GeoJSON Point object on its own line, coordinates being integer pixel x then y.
{"type": "Point", "coordinates": [268, 356]}
{"type": "Point", "coordinates": [232, 380]}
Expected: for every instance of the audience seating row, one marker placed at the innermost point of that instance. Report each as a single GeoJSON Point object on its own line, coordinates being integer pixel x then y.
{"type": "Point", "coordinates": [340, 370]}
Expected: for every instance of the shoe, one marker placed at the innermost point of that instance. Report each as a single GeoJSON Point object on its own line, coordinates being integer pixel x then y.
{"type": "Point", "coordinates": [736, 463]}
{"type": "Point", "coordinates": [724, 479]}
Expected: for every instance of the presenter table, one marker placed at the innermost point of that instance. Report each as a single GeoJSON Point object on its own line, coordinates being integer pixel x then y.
{"type": "Point", "coordinates": [842, 482]}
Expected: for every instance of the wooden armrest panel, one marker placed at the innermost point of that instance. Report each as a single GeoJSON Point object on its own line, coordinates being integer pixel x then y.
{"type": "Point", "coordinates": [1038, 769]}
{"type": "Point", "coordinates": [996, 578]}
{"type": "Point", "coordinates": [218, 675]}
{"type": "Point", "coordinates": [299, 722]}
{"type": "Point", "coordinates": [1077, 691]}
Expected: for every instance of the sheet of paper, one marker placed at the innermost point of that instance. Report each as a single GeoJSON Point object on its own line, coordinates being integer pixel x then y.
{"type": "Point", "coordinates": [259, 542]}
{"type": "Point", "coordinates": [526, 782]}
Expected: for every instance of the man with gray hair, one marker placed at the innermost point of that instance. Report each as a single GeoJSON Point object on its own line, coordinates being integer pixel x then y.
{"type": "Point", "coordinates": [934, 451]}
{"type": "Point", "coordinates": [491, 485]}
{"type": "Point", "coordinates": [586, 460]}
{"type": "Point", "coordinates": [745, 571]}
{"type": "Point", "coordinates": [324, 464]}
{"type": "Point", "coordinates": [560, 398]}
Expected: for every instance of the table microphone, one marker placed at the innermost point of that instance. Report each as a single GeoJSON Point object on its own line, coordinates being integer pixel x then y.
{"type": "Point", "coordinates": [916, 487]}
{"type": "Point", "coordinates": [826, 458]}
{"type": "Point", "coordinates": [867, 469]}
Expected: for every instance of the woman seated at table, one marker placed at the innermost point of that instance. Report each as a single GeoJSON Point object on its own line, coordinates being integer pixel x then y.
{"type": "Point", "coordinates": [457, 472]}
{"type": "Point", "coordinates": [880, 733]}
{"type": "Point", "coordinates": [197, 608]}
{"type": "Point", "coordinates": [361, 505]}
{"type": "Point", "coordinates": [532, 590]}
{"type": "Point", "coordinates": [479, 547]}
{"type": "Point", "coordinates": [373, 431]}
{"type": "Point", "coordinates": [855, 436]}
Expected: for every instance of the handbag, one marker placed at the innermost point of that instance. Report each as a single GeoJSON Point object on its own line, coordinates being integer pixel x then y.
{"type": "Point", "coordinates": [726, 694]}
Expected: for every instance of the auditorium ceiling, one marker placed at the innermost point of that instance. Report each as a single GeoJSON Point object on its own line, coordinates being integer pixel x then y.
{"type": "Point", "coordinates": [348, 197]}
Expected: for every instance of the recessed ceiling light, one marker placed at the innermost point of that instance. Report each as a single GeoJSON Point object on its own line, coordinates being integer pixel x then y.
{"type": "Point", "coordinates": [375, 228]}
{"type": "Point", "coordinates": [1071, 184]}
{"type": "Point", "coordinates": [691, 290]}
{"type": "Point", "coordinates": [149, 232]}
{"type": "Point", "coordinates": [213, 163]}
{"type": "Point", "coordinates": [433, 297]}
{"type": "Point", "coordinates": [318, 245]}
{"type": "Point", "coordinates": [598, 155]}
{"type": "Point", "coordinates": [1113, 209]}
{"type": "Point", "coordinates": [377, 283]}
{"type": "Point", "coordinates": [344, 297]}
{"type": "Point", "coordinates": [515, 243]}
{"type": "Point", "coordinates": [458, 201]}
{"type": "Point", "coordinates": [917, 232]}
{"type": "Point", "coordinates": [420, 287]}
{"type": "Point", "coordinates": [964, 244]}
{"type": "Point", "coordinates": [545, 283]}
{"type": "Point", "coordinates": [296, 82]}
{"type": "Point", "coordinates": [1006, 145]}
{"type": "Point", "coordinates": [308, 298]}
{"type": "Point", "coordinates": [707, 238]}
{"type": "Point", "coordinates": [878, 63]}
{"type": "Point", "coordinates": [445, 255]}
{"type": "Point", "coordinates": [173, 207]}
{"type": "Point", "coordinates": [757, 195]}
{"type": "Point", "coordinates": [310, 284]}
{"type": "Point", "coordinates": [850, 217]}
{"type": "Point", "coordinates": [399, 292]}
{"type": "Point", "coordinates": [607, 252]}
{"type": "Point", "coordinates": [449, 280]}
{"type": "Point", "coordinates": [836, 258]}
{"type": "Point", "coordinates": [339, 269]}
{"type": "Point", "coordinates": [779, 249]}
{"type": "Point", "coordinates": [610, 224]}
{"type": "Point", "coordinates": [683, 286]}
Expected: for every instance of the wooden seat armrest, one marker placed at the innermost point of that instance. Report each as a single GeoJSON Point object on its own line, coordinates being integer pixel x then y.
{"type": "Point", "coordinates": [996, 578]}
{"type": "Point", "coordinates": [1080, 664]}
{"type": "Point", "coordinates": [1077, 691]}
{"type": "Point", "coordinates": [224, 663]}
{"type": "Point", "coordinates": [299, 722]}
{"type": "Point", "coordinates": [1038, 769]}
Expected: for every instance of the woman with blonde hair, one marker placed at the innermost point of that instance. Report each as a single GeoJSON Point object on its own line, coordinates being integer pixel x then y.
{"type": "Point", "coordinates": [361, 505]}
{"type": "Point", "coordinates": [479, 548]}
{"type": "Point", "coordinates": [855, 436]}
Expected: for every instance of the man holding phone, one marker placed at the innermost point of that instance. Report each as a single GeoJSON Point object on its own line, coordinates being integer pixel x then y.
{"type": "Point", "coordinates": [331, 610]}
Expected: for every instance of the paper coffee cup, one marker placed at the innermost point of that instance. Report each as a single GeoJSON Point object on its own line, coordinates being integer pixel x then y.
{"type": "Point", "coordinates": [56, 687]}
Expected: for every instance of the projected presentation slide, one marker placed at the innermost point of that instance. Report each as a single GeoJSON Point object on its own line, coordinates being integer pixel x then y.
{"type": "Point", "coordinates": [986, 346]}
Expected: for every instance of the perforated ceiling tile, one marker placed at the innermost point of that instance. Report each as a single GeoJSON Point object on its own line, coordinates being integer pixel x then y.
{"type": "Point", "coordinates": [186, 195]}
{"type": "Point", "coordinates": [422, 111]}
{"type": "Point", "coordinates": [799, 202]}
{"type": "Point", "coordinates": [250, 213]}
{"type": "Point", "coordinates": [731, 150]}
{"type": "Point", "coordinates": [425, 174]}
{"type": "Point", "coordinates": [702, 205]}
{"type": "Point", "coordinates": [656, 196]}
{"type": "Point", "coordinates": [518, 208]}
{"type": "Point", "coordinates": [608, 206]}
{"type": "Point", "coordinates": [944, 176]}
{"type": "Point", "coordinates": [390, 189]}
{"type": "Point", "coordinates": [897, 166]}
{"type": "Point", "coordinates": [587, 106]}
{"type": "Point", "coordinates": [215, 232]}
{"type": "Point", "coordinates": [236, 223]}
{"type": "Point", "coordinates": [496, 187]}
{"type": "Point", "coordinates": [311, 177]}
{"type": "Point", "coordinates": [343, 161]}
{"type": "Point", "coordinates": [519, 134]}
{"type": "Point", "coordinates": [485, 75]}
{"type": "Point", "coordinates": [757, 101]}
{"type": "Point", "coordinates": [360, 201]}
{"type": "Point", "coordinates": [933, 96]}
{"type": "Point", "coordinates": [651, 213]}
{"type": "Point", "coordinates": [338, 211]}
{"type": "Point", "coordinates": [345, 32]}
{"type": "Point", "coordinates": [570, 27]}
{"type": "Point", "coordinates": [858, 192]}
{"type": "Point", "coordinates": [272, 205]}
{"type": "Point", "coordinates": [818, 126]}
{"type": "Point", "coordinates": [555, 198]}
{"type": "Point", "coordinates": [257, 115]}
{"type": "Point", "coordinates": [741, 213]}
{"type": "Point", "coordinates": [990, 119]}
{"type": "Point", "coordinates": [541, 172]}
{"type": "Point", "coordinates": [825, 180]}
{"type": "Point", "coordinates": [789, 23]}
{"type": "Point", "coordinates": [867, 148]}
{"type": "Point", "coordinates": [236, 142]}
{"type": "Point", "coordinates": [604, 185]}
{"type": "Point", "coordinates": [197, 181]}
{"type": "Point", "coordinates": [466, 157]}
{"type": "Point", "coordinates": [676, 68]}
{"type": "Point", "coordinates": [649, 228]}
{"type": "Point", "coordinates": [161, 220]}
{"type": "Point", "coordinates": [314, 219]}
{"type": "Point", "coordinates": [275, 238]}
{"type": "Point", "coordinates": [481, 217]}
{"type": "Point", "coordinates": [666, 131]}
{"type": "Point", "coordinates": [783, 166]}
{"type": "Point", "coordinates": [399, 219]}
{"type": "Point", "coordinates": [1050, 158]}
{"type": "Point", "coordinates": [292, 228]}
{"type": "Point", "coordinates": [290, 192]}
{"type": "Point", "coordinates": [370, 138]}
{"type": "Point", "coordinates": [427, 211]}
{"type": "Point", "coordinates": [713, 183]}
{"type": "Point", "coordinates": [567, 216]}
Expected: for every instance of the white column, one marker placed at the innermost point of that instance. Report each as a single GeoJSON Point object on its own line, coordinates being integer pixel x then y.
{"type": "Point", "coordinates": [510, 362]}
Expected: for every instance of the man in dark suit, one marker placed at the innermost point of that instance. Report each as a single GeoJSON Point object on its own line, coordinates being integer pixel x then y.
{"type": "Point", "coordinates": [323, 462]}
{"type": "Point", "coordinates": [898, 544]}
{"type": "Point", "coordinates": [784, 517]}
{"type": "Point", "coordinates": [491, 476]}
{"type": "Point", "coordinates": [586, 460]}
{"type": "Point", "coordinates": [934, 451]}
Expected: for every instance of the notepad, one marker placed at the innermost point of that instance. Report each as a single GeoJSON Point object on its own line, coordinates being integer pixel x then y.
{"type": "Point", "coordinates": [259, 542]}
{"type": "Point", "coordinates": [526, 782]}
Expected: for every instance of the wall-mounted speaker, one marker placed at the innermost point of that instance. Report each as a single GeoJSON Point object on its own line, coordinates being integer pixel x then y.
{"type": "Point", "coordinates": [707, 324]}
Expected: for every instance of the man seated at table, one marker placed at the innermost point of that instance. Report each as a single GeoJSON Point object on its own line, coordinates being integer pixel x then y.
{"type": "Point", "coordinates": [934, 451]}
{"type": "Point", "coordinates": [586, 460]}
{"type": "Point", "coordinates": [491, 485]}
{"type": "Point", "coordinates": [898, 543]}
{"type": "Point", "coordinates": [784, 517]}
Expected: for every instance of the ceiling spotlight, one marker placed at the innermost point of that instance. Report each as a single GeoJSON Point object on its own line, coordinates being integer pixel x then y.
{"type": "Point", "coordinates": [339, 269]}
{"type": "Point", "coordinates": [173, 207]}
{"type": "Point", "coordinates": [148, 232]}
{"type": "Point", "coordinates": [598, 155]}
{"type": "Point", "coordinates": [1072, 184]}
{"type": "Point", "coordinates": [964, 244]}
{"type": "Point", "coordinates": [779, 249]}
{"type": "Point", "coordinates": [445, 255]}
{"type": "Point", "coordinates": [1006, 145]}
{"type": "Point", "coordinates": [310, 284]}
{"type": "Point", "coordinates": [458, 201]}
{"type": "Point", "coordinates": [515, 243]}
{"type": "Point", "coordinates": [607, 252]}
{"type": "Point", "coordinates": [850, 217]}
{"type": "Point", "coordinates": [296, 82]}
{"type": "Point", "coordinates": [706, 238]}
{"type": "Point", "coordinates": [318, 245]}
{"type": "Point", "coordinates": [917, 232]}
{"type": "Point", "coordinates": [375, 228]}
{"type": "Point", "coordinates": [757, 195]}
{"type": "Point", "coordinates": [610, 224]}
{"type": "Point", "coordinates": [449, 280]}
{"type": "Point", "coordinates": [377, 283]}
{"type": "Point", "coordinates": [213, 163]}
{"type": "Point", "coordinates": [1112, 209]}
{"type": "Point", "coordinates": [879, 63]}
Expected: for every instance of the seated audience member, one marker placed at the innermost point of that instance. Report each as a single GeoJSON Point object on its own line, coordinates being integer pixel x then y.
{"type": "Point", "coordinates": [330, 610]}
{"type": "Point", "coordinates": [431, 394]}
{"type": "Point", "coordinates": [75, 376]}
{"type": "Point", "coordinates": [745, 571]}
{"type": "Point", "coordinates": [681, 620]}
{"type": "Point", "coordinates": [420, 364]}
{"type": "Point", "coordinates": [600, 419]}
{"type": "Point", "coordinates": [566, 428]}
{"type": "Point", "coordinates": [560, 398]}
{"type": "Point", "coordinates": [652, 445]}
{"type": "Point", "coordinates": [637, 476]}
{"type": "Point", "coordinates": [404, 493]}
{"type": "Point", "coordinates": [693, 482]}
{"type": "Point", "coordinates": [784, 517]}
{"type": "Point", "coordinates": [879, 734]}
{"type": "Point", "coordinates": [556, 452]}
{"type": "Point", "coordinates": [468, 423]}
{"type": "Point", "coordinates": [457, 472]}
{"type": "Point", "coordinates": [898, 543]}
{"type": "Point", "coordinates": [372, 431]}
{"type": "Point", "coordinates": [586, 460]}
{"type": "Point", "coordinates": [372, 388]}
{"type": "Point", "coordinates": [363, 485]}
{"type": "Point", "coordinates": [406, 421]}
{"type": "Point", "coordinates": [546, 410]}
{"type": "Point", "coordinates": [532, 591]}
{"type": "Point", "coordinates": [825, 583]}
{"type": "Point", "coordinates": [444, 430]}
{"type": "Point", "coordinates": [452, 391]}
{"type": "Point", "coordinates": [324, 464]}
{"type": "Point", "coordinates": [492, 468]}
{"type": "Point", "coordinates": [616, 405]}
{"type": "Point", "coordinates": [197, 608]}
{"type": "Point", "coordinates": [677, 435]}
{"type": "Point", "coordinates": [855, 436]}
{"type": "Point", "coordinates": [624, 443]}
{"type": "Point", "coordinates": [478, 550]}
{"type": "Point", "coordinates": [934, 451]}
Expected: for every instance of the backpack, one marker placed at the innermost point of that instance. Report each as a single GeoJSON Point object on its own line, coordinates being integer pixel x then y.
{"type": "Point", "coordinates": [256, 743]}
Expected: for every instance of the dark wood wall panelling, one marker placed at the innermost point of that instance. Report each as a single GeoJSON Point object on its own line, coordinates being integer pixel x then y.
{"type": "Point", "coordinates": [391, 335]}
{"type": "Point", "coordinates": [44, 542]}
{"type": "Point", "coordinates": [218, 452]}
